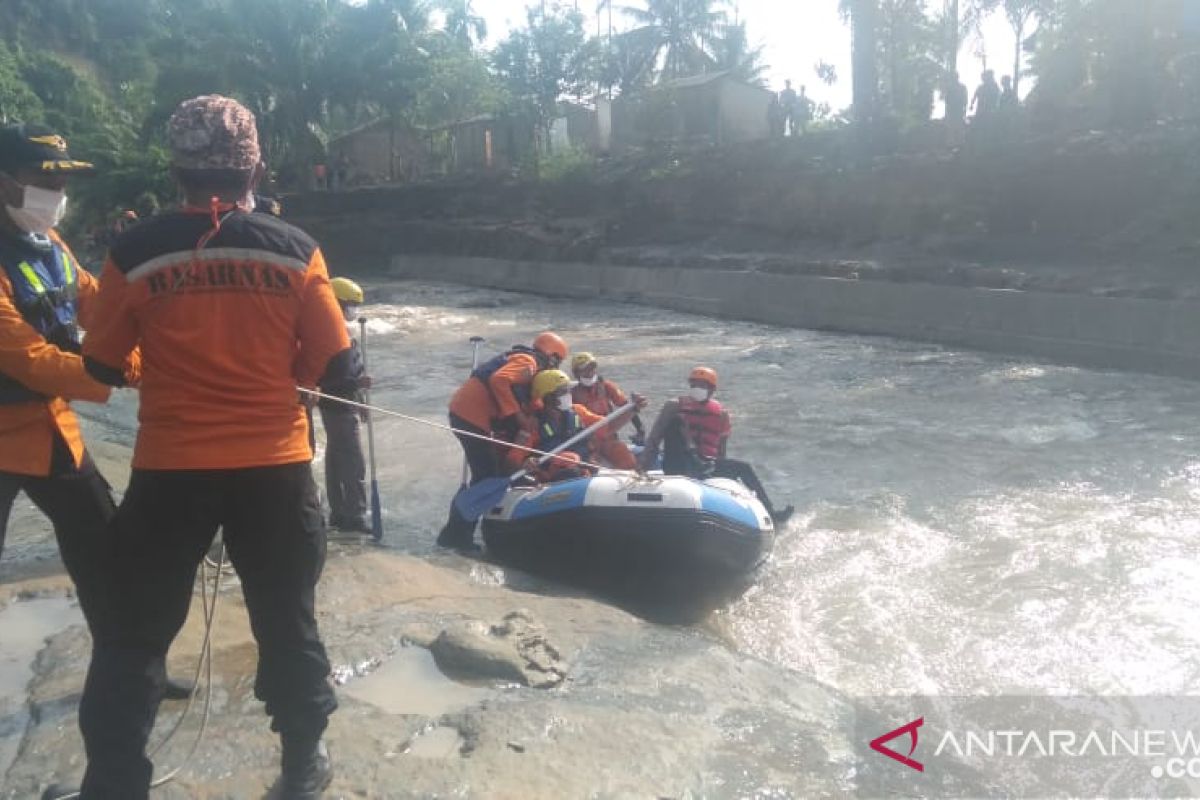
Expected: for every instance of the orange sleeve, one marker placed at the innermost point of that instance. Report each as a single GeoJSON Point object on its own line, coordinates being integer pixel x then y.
{"type": "Point", "coordinates": [112, 331]}
{"type": "Point", "coordinates": [89, 289]}
{"type": "Point", "coordinates": [27, 357]}
{"type": "Point", "coordinates": [519, 371]}
{"type": "Point", "coordinates": [587, 416]}
{"type": "Point", "coordinates": [321, 331]}
{"type": "Point", "coordinates": [615, 394]}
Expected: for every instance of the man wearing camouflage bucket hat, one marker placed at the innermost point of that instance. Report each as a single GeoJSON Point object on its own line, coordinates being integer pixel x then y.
{"type": "Point", "coordinates": [231, 310]}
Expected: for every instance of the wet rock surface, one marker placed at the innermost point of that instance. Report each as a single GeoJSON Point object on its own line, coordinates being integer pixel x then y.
{"type": "Point", "coordinates": [540, 693]}
{"type": "Point", "coordinates": [622, 720]}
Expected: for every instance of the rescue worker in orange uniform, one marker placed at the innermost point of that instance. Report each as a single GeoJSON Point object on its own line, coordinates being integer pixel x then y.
{"type": "Point", "coordinates": [232, 311]}
{"type": "Point", "coordinates": [45, 297]}
{"type": "Point", "coordinates": [557, 419]}
{"type": "Point", "coordinates": [602, 397]}
{"type": "Point", "coordinates": [491, 402]}
{"type": "Point", "coordinates": [693, 432]}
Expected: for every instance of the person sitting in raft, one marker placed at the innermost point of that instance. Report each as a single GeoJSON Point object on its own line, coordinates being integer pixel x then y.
{"type": "Point", "coordinates": [601, 396]}
{"type": "Point", "coordinates": [557, 419]}
{"type": "Point", "coordinates": [693, 431]}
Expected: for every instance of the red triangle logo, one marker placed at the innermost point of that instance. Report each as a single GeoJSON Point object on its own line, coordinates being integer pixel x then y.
{"type": "Point", "coordinates": [911, 729]}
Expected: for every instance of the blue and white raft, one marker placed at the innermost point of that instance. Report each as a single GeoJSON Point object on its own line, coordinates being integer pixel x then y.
{"type": "Point", "coordinates": [621, 531]}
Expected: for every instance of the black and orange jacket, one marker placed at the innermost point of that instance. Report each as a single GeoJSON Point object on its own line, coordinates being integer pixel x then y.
{"type": "Point", "coordinates": [483, 404]}
{"type": "Point", "coordinates": [226, 334]}
{"type": "Point", "coordinates": [27, 429]}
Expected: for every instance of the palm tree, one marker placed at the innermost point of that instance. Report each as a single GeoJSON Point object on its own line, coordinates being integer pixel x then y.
{"type": "Point", "coordinates": [462, 23]}
{"type": "Point", "coordinates": [732, 52]}
{"type": "Point", "coordinates": [863, 15]}
{"type": "Point", "coordinates": [676, 36]}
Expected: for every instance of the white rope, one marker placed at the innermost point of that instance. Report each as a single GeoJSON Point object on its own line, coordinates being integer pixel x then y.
{"type": "Point", "coordinates": [456, 431]}
{"type": "Point", "coordinates": [203, 665]}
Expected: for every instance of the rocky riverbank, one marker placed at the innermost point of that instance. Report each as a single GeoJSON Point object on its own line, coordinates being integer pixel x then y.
{"type": "Point", "coordinates": [458, 678]}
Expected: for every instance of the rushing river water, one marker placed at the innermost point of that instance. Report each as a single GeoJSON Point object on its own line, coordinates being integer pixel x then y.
{"type": "Point", "coordinates": [966, 523]}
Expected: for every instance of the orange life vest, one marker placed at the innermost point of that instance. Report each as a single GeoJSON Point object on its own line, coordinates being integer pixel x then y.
{"type": "Point", "coordinates": [705, 425]}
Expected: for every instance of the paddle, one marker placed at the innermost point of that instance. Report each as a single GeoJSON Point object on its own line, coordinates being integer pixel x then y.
{"type": "Point", "coordinates": [376, 506]}
{"type": "Point", "coordinates": [475, 501]}
{"type": "Point", "coordinates": [466, 470]}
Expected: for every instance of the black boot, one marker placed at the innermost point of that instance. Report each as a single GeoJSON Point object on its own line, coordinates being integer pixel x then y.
{"type": "Point", "coordinates": [458, 533]}
{"type": "Point", "coordinates": [307, 770]}
{"type": "Point", "coordinates": [178, 689]}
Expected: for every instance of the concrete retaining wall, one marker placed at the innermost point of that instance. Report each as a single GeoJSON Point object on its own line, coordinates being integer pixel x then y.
{"type": "Point", "coordinates": [1158, 336]}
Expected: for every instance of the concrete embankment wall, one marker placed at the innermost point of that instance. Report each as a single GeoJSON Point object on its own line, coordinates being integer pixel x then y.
{"type": "Point", "coordinates": [1158, 336]}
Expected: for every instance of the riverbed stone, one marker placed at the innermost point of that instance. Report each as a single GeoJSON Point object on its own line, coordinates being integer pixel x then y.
{"type": "Point", "coordinates": [515, 649]}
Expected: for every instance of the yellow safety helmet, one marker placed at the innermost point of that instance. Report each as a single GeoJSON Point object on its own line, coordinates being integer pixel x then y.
{"type": "Point", "coordinates": [549, 381]}
{"type": "Point", "coordinates": [347, 291]}
{"type": "Point", "coordinates": [581, 360]}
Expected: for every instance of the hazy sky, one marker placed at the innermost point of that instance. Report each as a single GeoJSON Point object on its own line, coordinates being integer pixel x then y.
{"type": "Point", "coordinates": [796, 34]}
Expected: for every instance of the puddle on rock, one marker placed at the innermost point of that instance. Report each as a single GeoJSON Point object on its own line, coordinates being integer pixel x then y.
{"type": "Point", "coordinates": [410, 683]}
{"type": "Point", "coordinates": [24, 627]}
{"type": "Point", "coordinates": [439, 742]}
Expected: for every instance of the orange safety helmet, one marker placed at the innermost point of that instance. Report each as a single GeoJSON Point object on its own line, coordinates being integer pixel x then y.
{"type": "Point", "coordinates": [551, 344]}
{"type": "Point", "coordinates": [706, 374]}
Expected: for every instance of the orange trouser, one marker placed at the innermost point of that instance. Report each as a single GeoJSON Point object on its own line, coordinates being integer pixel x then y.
{"type": "Point", "coordinates": [614, 451]}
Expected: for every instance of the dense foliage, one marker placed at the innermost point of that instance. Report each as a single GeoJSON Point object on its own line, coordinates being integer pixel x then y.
{"type": "Point", "coordinates": [108, 72]}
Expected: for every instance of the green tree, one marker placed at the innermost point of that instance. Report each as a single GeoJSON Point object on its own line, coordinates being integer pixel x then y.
{"type": "Point", "coordinates": [898, 58]}
{"type": "Point", "coordinates": [551, 58]}
{"type": "Point", "coordinates": [676, 37]}
{"type": "Point", "coordinates": [1111, 61]}
{"type": "Point", "coordinates": [462, 24]}
{"type": "Point", "coordinates": [17, 101]}
{"type": "Point", "coordinates": [863, 16]}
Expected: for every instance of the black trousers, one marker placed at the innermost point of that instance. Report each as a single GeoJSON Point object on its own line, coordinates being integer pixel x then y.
{"type": "Point", "coordinates": [482, 458]}
{"type": "Point", "coordinates": [79, 504]}
{"type": "Point", "coordinates": [163, 527]}
{"type": "Point", "coordinates": [483, 462]}
{"type": "Point", "coordinates": [345, 467]}
{"type": "Point", "coordinates": [678, 459]}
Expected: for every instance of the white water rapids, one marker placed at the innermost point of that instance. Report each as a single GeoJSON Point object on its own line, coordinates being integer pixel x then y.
{"type": "Point", "coordinates": [966, 523]}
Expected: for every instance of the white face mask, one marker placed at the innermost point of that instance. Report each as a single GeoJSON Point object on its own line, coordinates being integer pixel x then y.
{"type": "Point", "coordinates": [565, 402]}
{"type": "Point", "coordinates": [588, 381]}
{"type": "Point", "coordinates": [698, 393]}
{"type": "Point", "coordinates": [41, 209]}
